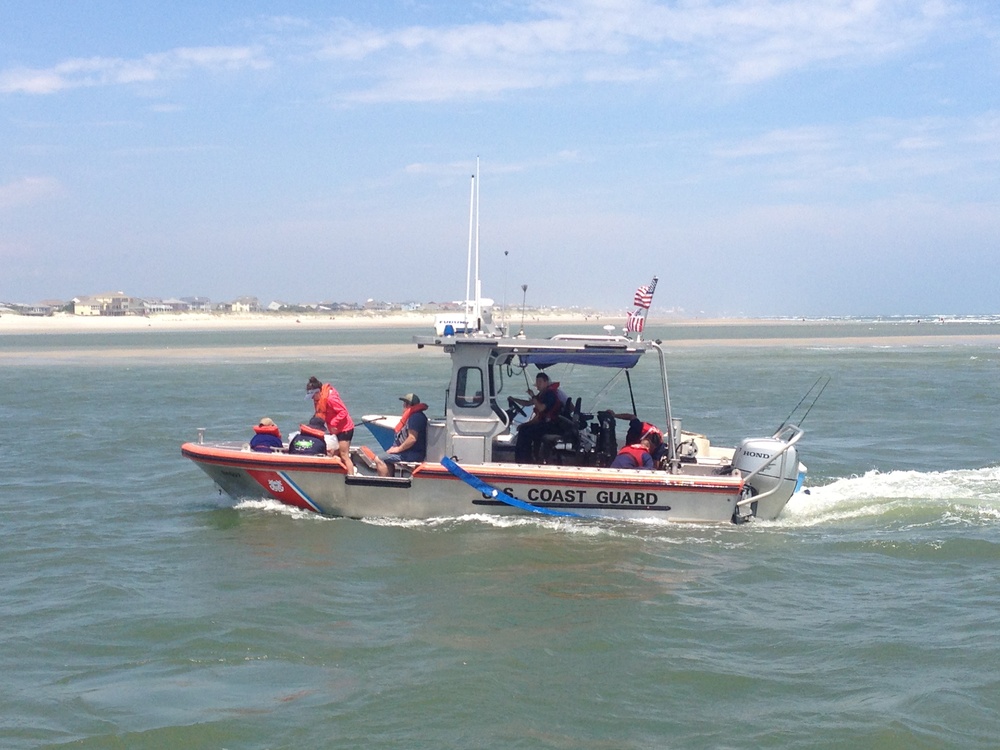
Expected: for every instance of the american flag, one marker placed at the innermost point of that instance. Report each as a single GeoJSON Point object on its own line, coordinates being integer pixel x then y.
{"type": "Point", "coordinates": [644, 295]}
{"type": "Point", "coordinates": [635, 322]}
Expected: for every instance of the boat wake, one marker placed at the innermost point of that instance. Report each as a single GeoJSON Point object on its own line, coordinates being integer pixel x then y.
{"type": "Point", "coordinates": [962, 496]}
{"type": "Point", "coordinates": [969, 497]}
{"type": "Point", "coordinates": [267, 505]}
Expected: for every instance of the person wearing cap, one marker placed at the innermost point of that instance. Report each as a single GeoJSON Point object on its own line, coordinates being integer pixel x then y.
{"type": "Point", "coordinates": [543, 420]}
{"type": "Point", "coordinates": [639, 455]}
{"type": "Point", "coordinates": [410, 443]}
{"type": "Point", "coordinates": [267, 436]}
{"type": "Point", "coordinates": [331, 409]}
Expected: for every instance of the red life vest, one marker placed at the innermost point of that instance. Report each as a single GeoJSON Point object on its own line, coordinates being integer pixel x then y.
{"type": "Point", "coordinates": [313, 431]}
{"type": "Point", "coordinates": [409, 412]}
{"type": "Point", "coordinates": [636, 452]}
{"type": "Point", "coordinates": [330, 408]}
{"type": "Point", "coordinates": [270, 429]}
{"type": "Point", "coordinates": [548, 415]}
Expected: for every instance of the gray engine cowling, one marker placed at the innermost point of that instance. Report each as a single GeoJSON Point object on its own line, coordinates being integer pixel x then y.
{"type": "Point", "coordinates": [780, 472]}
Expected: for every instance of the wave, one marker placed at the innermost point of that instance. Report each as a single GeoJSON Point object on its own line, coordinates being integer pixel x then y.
{"type": "Point", "coordinates": [961, 496]}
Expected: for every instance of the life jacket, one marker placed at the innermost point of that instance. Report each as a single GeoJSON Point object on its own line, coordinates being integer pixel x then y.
{"type": "Point", "coordinates": [313, 431]}
{"type": "Point", "coordinates": [560, 396]}
{"type": "Point", "coordinates": [320, 401]}
{"type": "Point", "coordinates": [271, 429]}
{"type": "Point", "coordinates": [330, 408]}
{"type": "Point", "coordinates": [636, 451]}
{"type": "Point", "coordinates": [548, 415]}
{"type": "Point", "coordinates": [409, 412]}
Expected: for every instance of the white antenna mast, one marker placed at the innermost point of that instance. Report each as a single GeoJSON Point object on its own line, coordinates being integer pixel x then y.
{"type": "Point", "coordinates": [468, 263]}
{"type": "Point", "coordinates": [479, 283]}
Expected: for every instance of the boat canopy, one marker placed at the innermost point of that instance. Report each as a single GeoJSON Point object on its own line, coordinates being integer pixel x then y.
{"type": "Point", "coordinates": [617, 359]}
{"type": "Point", "coordinates": [596, 351]}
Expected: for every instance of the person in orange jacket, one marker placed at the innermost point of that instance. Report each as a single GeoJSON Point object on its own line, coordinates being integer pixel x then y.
{"type": "Point", "coordinates": [329, 406]}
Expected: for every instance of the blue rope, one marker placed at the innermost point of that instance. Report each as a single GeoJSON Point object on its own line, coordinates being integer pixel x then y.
{"type": "Point", "coordinates": [489, 490]}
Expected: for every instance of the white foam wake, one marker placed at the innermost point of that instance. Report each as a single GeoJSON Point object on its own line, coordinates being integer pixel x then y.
{"type": "Point", "coordinates": [957, 496]}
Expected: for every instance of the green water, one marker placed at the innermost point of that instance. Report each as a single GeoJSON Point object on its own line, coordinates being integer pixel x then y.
{"type": "Point", "coordinates": [141, 609]}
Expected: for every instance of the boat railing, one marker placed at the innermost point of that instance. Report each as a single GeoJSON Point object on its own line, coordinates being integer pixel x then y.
{"type": "Point", "coordinates": [794, 433]}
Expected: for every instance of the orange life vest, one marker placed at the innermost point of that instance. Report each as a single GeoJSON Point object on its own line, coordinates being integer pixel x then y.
{"type": "Point", "coordinates": [330, 408]}
{"type": "Point", "coordinates": [636, 451]}
{"type": "Point", "coordinates": [313, 431]}
{"type": "Point", "coordinates": [409, 412]}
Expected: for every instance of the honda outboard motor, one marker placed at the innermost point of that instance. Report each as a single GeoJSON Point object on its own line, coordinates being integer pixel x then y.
{"type": "Point", "coordinates": [777, 476]}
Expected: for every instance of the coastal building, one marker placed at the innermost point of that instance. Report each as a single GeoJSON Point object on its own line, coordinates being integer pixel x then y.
{"type": "Point", "coordinates": [86, 306]}
{"type": "Point", "coordinates": [38, 310]}
{"type": "Point", "coordinates": [240, 305]}
{"type": "Point", "coordinates": [201, 304]}
{"type": "Point", "coordinates": [108, 303]}
{"type": "Point", "coordinates": [150, 306]}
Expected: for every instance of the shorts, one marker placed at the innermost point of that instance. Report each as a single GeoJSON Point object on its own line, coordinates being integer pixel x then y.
{"type": "Point", "coordinates": [346, 437]}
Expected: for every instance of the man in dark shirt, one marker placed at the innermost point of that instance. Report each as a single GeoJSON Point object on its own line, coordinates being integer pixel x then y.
{"type": "Point", "coordinates": [543, 421]}
{"type": "Point", "coordinates": [411, 436]}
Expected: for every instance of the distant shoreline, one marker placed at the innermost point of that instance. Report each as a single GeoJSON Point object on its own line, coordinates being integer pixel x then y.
{"type": "Point", "coordinates": [65, 323]}
{"type": "Point", "coordinates": [676, 333]}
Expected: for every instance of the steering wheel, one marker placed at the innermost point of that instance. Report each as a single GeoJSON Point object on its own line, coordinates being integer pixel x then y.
{"type": "Point", "coordinates": [517, 407]}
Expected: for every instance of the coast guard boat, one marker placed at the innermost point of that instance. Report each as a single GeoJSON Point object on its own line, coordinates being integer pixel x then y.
{"type": "Point", "coordinates": [470, 466]}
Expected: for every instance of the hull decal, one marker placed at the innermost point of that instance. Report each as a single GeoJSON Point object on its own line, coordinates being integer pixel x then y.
{"type": "Point", "coordinates": [279, 485]}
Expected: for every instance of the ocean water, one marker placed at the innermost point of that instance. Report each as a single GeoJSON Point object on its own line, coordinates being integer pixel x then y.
{"type": "Point", "coordinates": [141, 609]}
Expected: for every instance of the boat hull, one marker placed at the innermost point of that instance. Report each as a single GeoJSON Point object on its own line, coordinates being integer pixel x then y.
{"type": "Point", "coordinates": [320, 484]}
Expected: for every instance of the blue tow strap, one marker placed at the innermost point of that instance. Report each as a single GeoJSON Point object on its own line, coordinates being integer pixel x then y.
{"type": "Point", "coordinates": [489, 490]}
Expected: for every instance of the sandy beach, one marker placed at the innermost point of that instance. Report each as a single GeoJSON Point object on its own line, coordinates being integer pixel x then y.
{"type": "Point", "coordinates": [63, 323]}
{"type": "Point", "coordinates": [686, 331]}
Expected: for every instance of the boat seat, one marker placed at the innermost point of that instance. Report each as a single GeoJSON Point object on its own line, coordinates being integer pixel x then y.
{"type": "Point", "coordinates": [365, 455]}
{"type": "Point", "coordinates": [565, 442]}
{"type": "Point", "coordinates": [607, 443]}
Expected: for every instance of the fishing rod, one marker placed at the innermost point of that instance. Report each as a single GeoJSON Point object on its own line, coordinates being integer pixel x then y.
{"type": "Point", "coordinates": [825, 379]}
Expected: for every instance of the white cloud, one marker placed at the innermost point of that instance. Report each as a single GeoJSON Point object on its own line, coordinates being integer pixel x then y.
{"type": "Point", "coordinates": [106, 71]}
{"type": "Point", "coordinates": [566, 42]}
{"type": "Point", "coordinates": [29, 190]}
{"type": "Point", "coordinates": [924, 154]}
{"type": "Point", "coordinates": [542, 44]}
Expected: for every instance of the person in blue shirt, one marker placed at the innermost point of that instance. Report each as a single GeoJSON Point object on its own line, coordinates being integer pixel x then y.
{"type": "Point", "coordinates": [267, 437]}
{"type": "Point", "coordinates": [411, 437]}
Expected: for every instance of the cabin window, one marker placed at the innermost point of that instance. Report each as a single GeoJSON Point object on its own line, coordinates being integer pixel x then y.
{"type": "Point", "coordinates": [469, 388]}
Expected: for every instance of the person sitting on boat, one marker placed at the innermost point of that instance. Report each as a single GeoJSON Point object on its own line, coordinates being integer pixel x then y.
{"type": "Point", "coordinates": [543, 421]}
{"type": "Point", "coordinates": [636, 427]}
{"type": "Point", "coordinates": [411, 437]}
{"type": "Point", "coordinates": [542, 383]}
{"type": "Point", "coordinates": [310, 440]}
{"type": "Point", "coordinates": [267, 436]}
{"type": "Point", "coordinates": [639, 455]}
{"type": "Point", "coordinates": [331, 409]}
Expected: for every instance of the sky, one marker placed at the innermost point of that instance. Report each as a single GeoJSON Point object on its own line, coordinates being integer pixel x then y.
{"type": "Point", "coordinates": [760, 157]}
